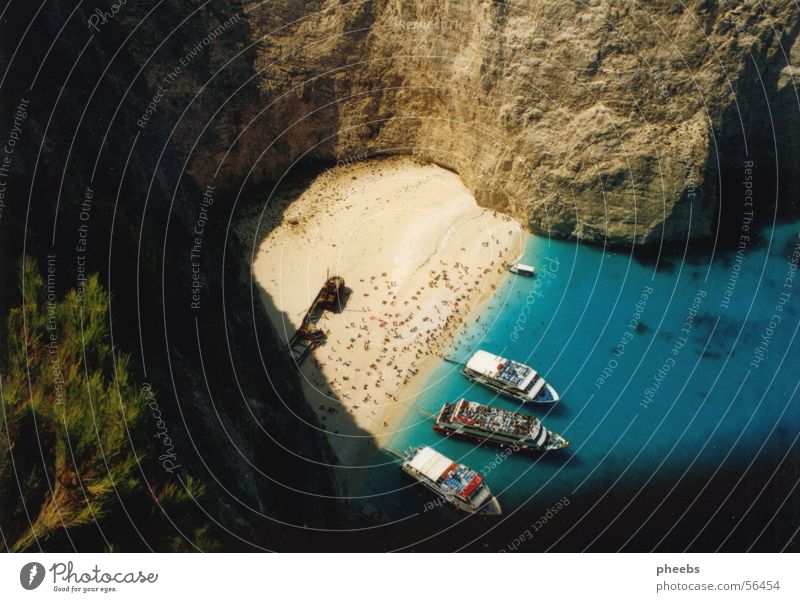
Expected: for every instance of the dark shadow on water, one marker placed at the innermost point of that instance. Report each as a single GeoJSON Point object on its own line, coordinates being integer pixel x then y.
{"type": "Point", "coordinates": [560, 409]}
{"type": "Point", "coordinates": [562, 458]}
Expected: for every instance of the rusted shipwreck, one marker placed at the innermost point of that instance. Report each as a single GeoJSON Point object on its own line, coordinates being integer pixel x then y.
{"type": "Point", "coordinates": [331, 297]}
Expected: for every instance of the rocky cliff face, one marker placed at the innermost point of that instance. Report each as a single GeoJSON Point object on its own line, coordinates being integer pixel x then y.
{"type": "Point", "coordinates": [91, 188]}
{"type": "Point", "coordinates": [602, 120]}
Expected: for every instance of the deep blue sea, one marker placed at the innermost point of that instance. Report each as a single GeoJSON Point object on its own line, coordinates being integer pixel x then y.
{"type": "Point", "coordinates": [666, 370]}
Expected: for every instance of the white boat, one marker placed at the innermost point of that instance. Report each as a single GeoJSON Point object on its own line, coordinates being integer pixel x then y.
{"type": "Point", "coordinates": [509, 378]}
{"type": "Point", "coordinates": [457, 484]}
{"type": "Point", "coordinates": [488, 424]}
{"type": "Point", "coordinates": [521, 269]}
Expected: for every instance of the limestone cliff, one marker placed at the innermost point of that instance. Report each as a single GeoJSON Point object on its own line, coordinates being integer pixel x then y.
{"type": "Point", "coordinates": [603, 120]}
{"type": "Point", "coordinates": [90, 190]}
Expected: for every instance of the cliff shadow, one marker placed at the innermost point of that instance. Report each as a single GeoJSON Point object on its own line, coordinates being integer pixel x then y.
{"type": "Point", "coordinates": [753, 168]}
{"type": "Point", "coordinates": [256, 223]}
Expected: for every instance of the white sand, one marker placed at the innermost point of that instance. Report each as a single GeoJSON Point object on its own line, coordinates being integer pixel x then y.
{"type": "Point", "coordinates": [418, 254]}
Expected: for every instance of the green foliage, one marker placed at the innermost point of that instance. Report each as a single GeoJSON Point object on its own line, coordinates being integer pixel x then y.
{"type": "Point", "coordinates": [71, 458]}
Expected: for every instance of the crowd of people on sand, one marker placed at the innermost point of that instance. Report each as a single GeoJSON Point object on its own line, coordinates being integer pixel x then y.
{"type": "Point", "coordinates": [398, 333]}
{"type": "Point", "coordinates": [388, 332]}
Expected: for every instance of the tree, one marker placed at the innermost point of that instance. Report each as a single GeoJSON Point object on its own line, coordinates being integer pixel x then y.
{"type": "Point", "coordinates": [72, 465]}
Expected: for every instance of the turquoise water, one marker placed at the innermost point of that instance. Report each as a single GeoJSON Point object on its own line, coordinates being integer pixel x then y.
{"type": "Point", "coordinates": [665, 371]}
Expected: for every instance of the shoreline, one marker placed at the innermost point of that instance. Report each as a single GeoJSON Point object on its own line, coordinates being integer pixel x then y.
{"type": "Point", "coordinates": [427, 368]}
{"type": "Point", "coordinates": [396, 415]}
{"type": "Point", "coordinates": [420, 257]}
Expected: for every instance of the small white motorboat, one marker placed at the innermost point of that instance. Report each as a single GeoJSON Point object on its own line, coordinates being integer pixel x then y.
{"type": "Point", "coordinates": [521, 269]}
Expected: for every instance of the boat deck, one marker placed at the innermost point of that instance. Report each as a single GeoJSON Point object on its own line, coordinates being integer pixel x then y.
{"type": "Point", "coordinates": [491, 419]}
{"type": "Point", "coordinates": [513, 373]}
{"type": "Point", "coordinates": [462, 481]}
{"type": "Point", "coordinates": [448, 476]}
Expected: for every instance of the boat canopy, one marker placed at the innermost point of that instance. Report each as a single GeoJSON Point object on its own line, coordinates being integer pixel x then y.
{"type": "Point", "coordinates": [484, 362]}
{"type": "Point", "coordinates": [506, 371]}
{"type": "Point", "coordinates": [431, 463]}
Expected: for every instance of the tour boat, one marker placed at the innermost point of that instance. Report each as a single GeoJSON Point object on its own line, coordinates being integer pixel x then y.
{"type": "Point", "coordinates": [521, 269]}
{"type": "Point", "coordinates": [455, 483]}
{"type": "Point", "coordinates": [509, 378]}
{"type": "Point", "coordinates": [497, 426]}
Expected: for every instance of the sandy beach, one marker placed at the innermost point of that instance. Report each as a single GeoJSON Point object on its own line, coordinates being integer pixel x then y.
{"type": "Point", "coordinates": [418, 255]}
